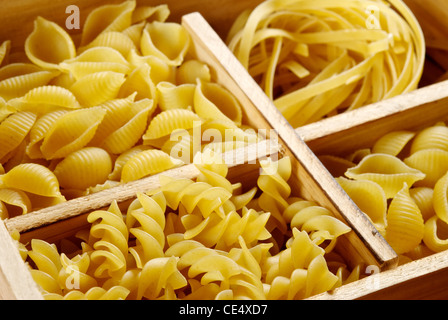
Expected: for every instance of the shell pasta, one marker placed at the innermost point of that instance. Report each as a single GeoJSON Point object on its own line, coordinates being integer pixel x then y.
{"type": "Point", "coordinates": [196, 239]}
{"type": "Point", "coordinates": [80, 108]}
{"type": "Point", "coordinates": [400, 183]}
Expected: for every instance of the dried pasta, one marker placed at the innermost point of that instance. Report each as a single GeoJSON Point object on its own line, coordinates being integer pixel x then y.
{"type": "Point", "coordinates": [409, 210]}
{"type": "Point", "coordinates": [132, 83]}
{"type": "Point", "coordinates": [315, 59]}
{"type": "Point", "coordinates": [192, 239]}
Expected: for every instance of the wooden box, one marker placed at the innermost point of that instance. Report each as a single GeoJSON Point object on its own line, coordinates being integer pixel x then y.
{"type": "Point", "coordinates": [309, 179]}
{"type": "Point", "coordinates": [420, 279]}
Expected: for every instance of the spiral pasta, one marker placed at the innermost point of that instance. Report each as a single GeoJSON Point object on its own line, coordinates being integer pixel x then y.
{"type": "Point", "coordinates": [196, 239]}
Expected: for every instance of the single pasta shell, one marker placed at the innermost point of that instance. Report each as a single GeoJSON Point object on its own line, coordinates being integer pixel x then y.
{"type": "Point", "coordinates": [39, 131]}
{"type": "Point", "coordinates": [214, 102]}
{"type": "Point", "coordinates": [386, 170]}
{"type": "Point", "coordinates": [18, 86]}
{"type": "Point", "coordinates": [112, 39]}
{"type": "Point", "coordinates": [13, 131]}
{"type": "Point", "coordinates": [435, 137]}
{"type": "Point", "coordinates": [139, 81]}
{"type": "Point", "coordinates": [113, 17]}
{"type": "Point", "coordinates": [192, 70]}
{"type": "Point", "coordinates": [117, 114]}
{"type": "Point", "coordinates": [32, 178]}
{"type": "Point", "coordinates": [423, 197]}
{"type": "Point", "coordinates": [170, 120]}
{"type": "Point", "coordinates": [160, 70]}
{"type": "Point", "coordinates": [84, 168]}
{"type": "Point", "coordinates": [72, 131]}
{"type": "Point", "coordinates": [370, 198]}
{"type": "Point", "coordinates": [171, 96]}
{"type": "Point", "coordinates": [147, 163]}
{"type": "Point", "coordinates": [49, 44]}
{"type": "Point", "coordinates": [166, 40]}
{"type": "Point", "coordinates": [436, 234]}
{"type": "Point", "coordinates": [123, 158]}
{"type": "Point", "coordinates": [393, 143]}
{"type": "Point", "coordinates": [130, 133]}
{"type": "Point", "coordinates": [432, 162]}
{"type": "Point", "coordinates": [17, 199]}
{"type": "Point", "coordinates": [45, 98]}
{"type": "Point", "coordinates": [97, 88]}
{"type": "Point", "coordinates": [405, 225]}
{"type": "Point", "coordinates": [440, 199]}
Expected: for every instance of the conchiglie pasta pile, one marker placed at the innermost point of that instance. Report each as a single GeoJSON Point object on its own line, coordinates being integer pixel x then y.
{"type": "Point", "coordinates": [78, 118]}
{"type": "Point", "coordinates": [206, 238]}
{"type": "Point", "coordinates": [401, 183]}
{"type": "Point", "coordinates": [318, 58]}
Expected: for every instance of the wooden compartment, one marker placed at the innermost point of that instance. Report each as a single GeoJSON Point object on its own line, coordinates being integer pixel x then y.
{"type": "Point", "coordinates": [424, 278]}
{"type": "Point", "coordinates": [309, 179]}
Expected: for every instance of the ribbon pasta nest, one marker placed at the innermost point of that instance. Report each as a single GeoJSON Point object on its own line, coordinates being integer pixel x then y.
{"type": "Point", "coordinates": [318, 58]}
{"type": "Point", "coordinates": [206, 238]}
{"type": "Point", "coordinates": [120, 104]}
{"type": "Point", "coordinates": [401, 183]}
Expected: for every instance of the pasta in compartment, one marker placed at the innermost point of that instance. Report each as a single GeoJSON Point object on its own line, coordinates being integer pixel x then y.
{"type": "Point", "coordinates": [400, 183]}
{"type": "Point", "coordinates": [131, 83]}
{"type": "Point", "coordinates": [316, 59]}
{"type": "Point", "coordinates": [202, 238]}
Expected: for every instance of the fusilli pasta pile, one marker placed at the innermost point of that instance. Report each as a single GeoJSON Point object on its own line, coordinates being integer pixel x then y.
{"type": "Point", "coordinates": [121, 104]}
{"type": "Point", "coordinates": [206, 238]}
{"type": "Point", "coordinates": [401, 184]}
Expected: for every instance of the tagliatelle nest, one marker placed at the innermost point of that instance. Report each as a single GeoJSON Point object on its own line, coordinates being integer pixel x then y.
{"type": "Point", "coordinates": [319, 58]}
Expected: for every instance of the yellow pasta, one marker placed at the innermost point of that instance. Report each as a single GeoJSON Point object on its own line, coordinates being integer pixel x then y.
{"type": "Point", "coordinates": [160, 70]}
{"type": "Point", "coordinates": [365, 193]}
{"type": "Point", "coordinates": [167, 41]}
{"type": "Point", "coordinates": [213, 102]}
{"type": "Point", "coordinates": [13, 131]}
{"type": "Point", "coordinates": [432, 162]}
{"type": "Point", "coordinates": [171, 96]}
{"type": "Point", "coordinates": [39, 131]}
{"type": "Point", "coordinates": [14, 203]}
{"type": "Point", "coordinates": [131, 132]}
{"type": "Point", "coordinates": [84, 168]}
{"type": "Point", "coordinates": [440, 200]}
{"type": "Point", "coordinates": [393, 143]}
{"type": "Point", "coordinates": [315, 59]}
{"type": "Point", "coordinates": [107, 18]}
{"type": "Point", "coordinates": [72, 131]}
{"type": "Point", "coordinates": [49, 44]}
{"type": "Point", "coordinates": [139, 81]}
{"type": "Point", "coordinates": [423, 197]}
{"type": "Point", "coordinates": [97, 88]}
{"type": "Point", "coordinates": [168, 121]}
{"type": "Point", "coordinates": [44, 99]}
{"type": "Point", "coordinates": [17, 79]}
{"type": "Point", "coordinates": [4, 51]}
{"type": "Point", "coordinates": [405, 226]}
{"type": "Point", "coordinates": [96, 59]}
{"type": "Point", "coordinates": [435, 237]}
{"type": "Point", "coordinates": [110, 237]}
{"type": "Point", "coordinates": [34, 179]}
{"type": "Point", "coordinates": [121, 160]}
{"type": "Point", "coordinates": [192, 70]}
{"type": "Point", "coordinates": [147, 163]}
{"type": "Point", "coordinates": [190, 239]}
{"type": "Point", "coordinates": [434, 137]}
{"type": "Point", "coordinates": [386, 170]}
